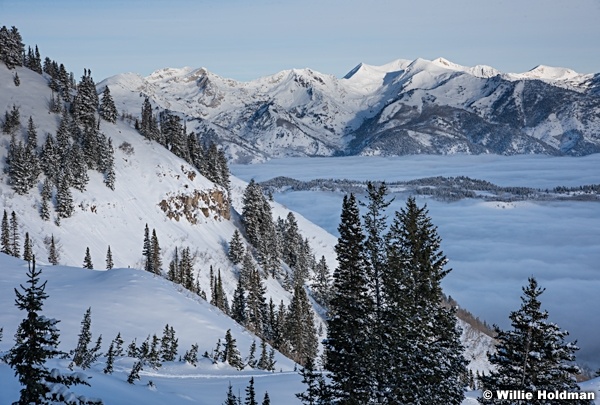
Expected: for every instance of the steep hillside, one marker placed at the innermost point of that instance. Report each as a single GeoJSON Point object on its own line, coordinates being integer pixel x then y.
{"type": "Point", "coordinates": [403, 107]}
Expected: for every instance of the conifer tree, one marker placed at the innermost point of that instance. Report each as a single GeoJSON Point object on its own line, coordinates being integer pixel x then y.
{"type": "Point", "coordinates": [533, 355]}
{"type": "Point", "coordinates": [231, 398]}
{"type": "Point", "coordinates": [27, 248]}
{"type": "Point", "coordinates": [266, 399]}
{"type": "Point", "coordinates": [110, 359]}
{"type": "Point", "coordinates": [108, 111]}
{"type": "Point", "coordinates": [256, 304]}
{"type": "Point", "coordinates": [317, 392]}
{"type": "Point", "coordinates": [16, 80]}
{"type": "Point", "coordinates": [321, 286]}
{"type": "Point", "coordinates": [87, 260]}
{"type": "Point", "coordinates": [31, 135]}
{"type": "Point", "coordinates": [250, 394]}
{"type": "Point", "coordinates": [238, 305]}
{"type": "Point", "coordinates": [191, 356]}
{"type": "Point", "coordinates": [135, 372]}
{"type": "Point", "coordinates": [300, 329]}
{"type": "Point", "coordinates": [168, 345]}
{"type": "Point", "coordinates": [251, 359]}
{"type": "Point", "coordinates": [118, 344]}
{"type": "Point", "coordinates": [350, 309]}
{"type": "Point", "coordinates": [156, 259]}
{"type": "Point", "coordinates": [5, 235]}
{"type": "Point", "coordinates": [36, 342]}
{"type": "Point", "coordinates": [236, 248]}
{"type": "Point", "coordinates": [421, 339]}
{"type": "Point", "coordinates": [84, 356]}
{"type": "Point", "coordinates": [109, 259]}
{"type": "Point", "coordinates": [231, 353]}
{"type": "Point", "coordinates": [53, 252]}
{"type": "Point", "coordinates": [147, 250]}
{"type": "Point", "coordinates": [64, 198]}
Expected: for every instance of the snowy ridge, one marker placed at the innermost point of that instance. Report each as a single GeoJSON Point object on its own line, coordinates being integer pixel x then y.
{"type": "Point", "coordinates": [301, 112]}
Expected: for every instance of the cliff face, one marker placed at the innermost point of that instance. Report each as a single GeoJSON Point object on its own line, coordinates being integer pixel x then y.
{"type": "Point", "coordinates": [197, 205]}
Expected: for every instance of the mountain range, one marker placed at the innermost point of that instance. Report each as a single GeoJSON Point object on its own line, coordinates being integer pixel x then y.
{"type": "Point", "coordinates": [403, 107]}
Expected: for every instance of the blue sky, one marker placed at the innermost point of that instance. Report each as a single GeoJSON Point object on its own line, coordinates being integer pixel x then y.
{"type": "Point", "coordinates": [245, 40]}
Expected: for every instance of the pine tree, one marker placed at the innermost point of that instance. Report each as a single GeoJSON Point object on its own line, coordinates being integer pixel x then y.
{"type": "Point", "coordinates": [53, 252]}
{"type": "Point", "coordinates": [238, 305]}
{"type": "Point", "coordinates": [533, 356]}
{"type": "Point", "coordinates": [156, 259]}
{"type": "Point", "coordinates": [236, 248]}
{"type": "Point", "coordinates": [118, 344]}
{"type": "Point", "coordinates": [27, 248]}
{"type": "Point", "coordinates": [31, 135]}
{"type": "Point", "coordinates": [135, 372]}
{"type": "Point", "coordinates": [317, 392]}
{"type": "Point", "coordinates": [321, 286]}
{"type": "Point", "coordinates": [266, 399]}
{"type": "Point", "coordinates": [5, 235]}
{"type": "Point", "coordinates": [300, 329]}
{"type": "Point", "coordinates": [109, 259]}
{"type": "Point", "coordinates": [231, 353]}
{"type": "Point", "coordinates": [231, 398]}
{"type": "Point", "coordinates": [350, 310]}
{"type": "Point", "coordinates": [87, 260]}
{"type": "Point", "coordinates": [84, 356]}
{"type": "Point", "coordinates": [256, 304]}
{"type": "Point", "coordinates": [168, 345]}
{"type": "Point", "coordinates": [147, 250]}
{"type": "Point", "coordinates": [110, 359]}
{"type": "Point", "coordinates": [251, 359]}
{"type": "Point", "coordinates": [420, 338]}
{"type": "Point", "coordinates": [36, 342]}
{"type": "Point", "coordinates": [64, 198]}
{"type": "Point", "coordinates": [191, 356]}
{"type": "Point", "coordinates": [85, 103]}
{"type": "Point", "coordinates": [250, 394]}
{"type": "Point", "coordinates": [16, 80]}
{"type": "Point", "coordinates": [108, 111]}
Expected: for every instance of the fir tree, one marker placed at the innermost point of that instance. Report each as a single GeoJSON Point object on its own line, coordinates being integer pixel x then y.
{"type": "Point", "coordinates": [300, 329]}
{"type": "Point", "coordinates": [85, 103]}
{"type": "Point", "coordinates": [135, 372]}
{"type": "Point", "coordinates": [31, 135]}
{"type": "Point", "coordinates": [53, 252]}
{"type": "Point", "coordinates": [191, 356]}
{"type": "Point", "coordinates": [231, 398]}
{"type": "Point", "coordinates": [238, 305]}
{"type": "Point", "coordinates": [236, 248]}
{"type": "Point", "coordinates": [266, 399]}
{"type": "Point", "coordinates": [250, 394]}
{"type": "Point", "coordinates": [147, 250]}
{"type": "Point", "coordinates": [109, 259]}
{"type": "Point", "coordinates": [118, 344]}
{"type": "Point", "coordinates": [36, 342]}
{"type": "Point", "coordinates": [232, 355]}
{"type": "Point", "coordinates": [84, 356]}
{"type": "Point", "coordinates": [168, 345]}
{"type": "Point", "coordinates": [64, 198]}
{"type": "Point", "coordinates": [155, 257]}
{"type": "Point", "coordinates": [108, 111]}
{"type": "Point", "coordinates": [251, 360]}
{"type": "Point", "coordinates": [321, 285]}
{"type": "Point", "coordinates": [420, 337]}
{"type": "Point", "coordinates": [350, 310]}
{"type": "Point", "coordinates": [16, 80]}
{"type": "Point", "coordinates": [87, 260]}
{"type": "Point", "coordinates": [5, 235]}
{"type": "Point", "coordinates": [317, 392]}
{"type": "Point", "coordinates": [110, 359]}
{"type": "Point", "coordinates": [256, 304]}
{"type": "Point", "coordinates": [27, 248]}
{"type": "Point", "coordinates": [533, 356]}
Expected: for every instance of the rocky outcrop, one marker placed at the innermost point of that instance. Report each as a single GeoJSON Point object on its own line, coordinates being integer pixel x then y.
{"type": "Point", "coordinates": [197, 206]}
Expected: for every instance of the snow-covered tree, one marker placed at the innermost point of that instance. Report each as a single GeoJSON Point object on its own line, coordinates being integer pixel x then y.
{"type": "Point", "coordinates": [27, 248]}
{"type": "Point", "coordinates": [351, 307]}
{"type": "Point", "coordinates": [36, 343]}
{"type": "Point", "coordinates": [300, 331]}
{"type": "Point", "coordinates": [250, 394]}
{"type": "Point", "coordinates": [533, 355]}
{"type": "Point", "coordinates": [87, 259]}
{"type": "Point", "coordinates": [108, 111]}
{"type": "Point", "coordinates": [84, 355]}
{"type": "Point", "coordinates": [321, 286]}
{"type": "Point", "coordinates": [109, 259]}
{"type": "Point", "coordinates": [231, 354]}
{"type": "Point", "coordinates": [317, 391]}
{"type": "Point", "coordinates": [236, 248]}
{"type": "Point", "coordinates": [5, 235]}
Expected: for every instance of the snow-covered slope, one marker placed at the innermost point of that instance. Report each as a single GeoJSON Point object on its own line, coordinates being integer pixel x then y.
{"type": "Point", "coordinates": [403, 107]}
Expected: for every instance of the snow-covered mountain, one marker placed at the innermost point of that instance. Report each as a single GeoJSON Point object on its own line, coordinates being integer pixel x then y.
{"type": "Point", "coordinates": [403, 107]}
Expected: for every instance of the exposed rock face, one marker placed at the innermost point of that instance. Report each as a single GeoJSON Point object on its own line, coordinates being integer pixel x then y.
{"type": "Point", "coordinates": [197, 206]}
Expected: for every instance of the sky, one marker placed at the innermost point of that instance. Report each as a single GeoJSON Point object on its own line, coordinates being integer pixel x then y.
{"type": "Point", "coordinates": [245, 40]}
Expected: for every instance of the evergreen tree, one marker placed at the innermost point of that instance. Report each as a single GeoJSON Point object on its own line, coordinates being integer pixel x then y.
{"type": "Point", "coordinates": [231, 398]}
{"type": "Point", "coordinates": [109, 166]}
{"type": "Point", "coordinates": [231, 353]}
{"type": "Point", "coordinates": [250, 394]}
{"type": "Point", "coordinates": [238, 305]}
{"type": "Point", "coordinates": [16, 80]}
{"type": "Point", "coordinates": [147, 250]}
{"type": "Point", "coordinates": [533, 356]}
{"type": "Point", "coordinates": [27, 248]}
{"type": "Point", "coordinates": [168, 345]}
{"type": "Point", "coordinates": [110, 359]}
{"type": "Point", "coordinates": [266, 399]}
{"type": "Point", "coordinates": [317, 392]}
{"type": "Point", "coordinates": [64, 198]}
{"type": "Point", "coordinates": [256, 304]}
{"type": "Point", "coordinates": [36, 342]}
{"type": "Point", "coordinates": [420, 338]}
{"type": "Point", "coordinates": [321, 286]}
{"type": "Point", "coordinates": [156, 259]}
{"type": "Point", "coordinates": [148, 126]}
{"type": "Point", "coordinates": [85, 103]}
{"type": "Point", "coordinates": [118, 344]}
{"type": "Point", "coordinates": [84, 356]}
{"type": "Point", "coordinates": [53, 252]}
{"type": "Point", "coordinates": [300, 329]}
{"type": "Point", "coordinates": [5, 235]}
{"type": "Point", "coordinates": [135, 372]}
{"type": "Point", "coordinates": [251, 360]}
{"type": "Point", "coordinates": [108, 111]}
{"type": "Point", "coordinates": [191, 356]}
{"type": "Point", "coordinates": [236, 248]}
{"type": "Point", "coordinates": [31, 135]}
{"type": "Point", "coordinates": [350, 309]}
{"type": "Point", "coordinates": [12, 49]}
{"type": "Point", "coordinates": [87, 260]}
{"type": "Point", "coordinates": [109, 259]}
